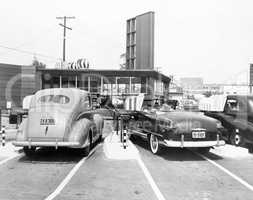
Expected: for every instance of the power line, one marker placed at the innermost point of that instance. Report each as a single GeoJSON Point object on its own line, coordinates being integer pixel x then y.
{"type": "Point", "coordinates": [29, 52]}
{"type": "Point", "coordinates": [64, 33]}
{"type": "Point", "coordinates": [31, 41]}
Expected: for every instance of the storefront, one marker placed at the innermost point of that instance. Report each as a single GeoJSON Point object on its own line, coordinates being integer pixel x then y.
{"type": "Point", "coordinates": [108, 82]}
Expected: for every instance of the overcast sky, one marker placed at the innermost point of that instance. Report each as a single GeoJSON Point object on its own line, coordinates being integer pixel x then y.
{"type": "Point", "coordinates": [212, 39]}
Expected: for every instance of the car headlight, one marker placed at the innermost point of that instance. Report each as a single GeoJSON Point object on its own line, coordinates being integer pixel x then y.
{"type": "Point", "coordinates": [219, 125]}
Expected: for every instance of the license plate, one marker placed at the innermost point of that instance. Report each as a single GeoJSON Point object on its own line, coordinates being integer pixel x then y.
{"type": "Point", "coordinates": [47, 122]}
{"type": "Point", "coordinates": [198, 134]}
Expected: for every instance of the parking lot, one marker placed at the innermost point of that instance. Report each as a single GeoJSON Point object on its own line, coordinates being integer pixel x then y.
{"type": "Point", "coordinates": [224, 173]}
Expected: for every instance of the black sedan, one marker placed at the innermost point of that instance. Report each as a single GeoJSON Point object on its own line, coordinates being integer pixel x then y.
{"type": "Point", "coordinates": [177, 129]}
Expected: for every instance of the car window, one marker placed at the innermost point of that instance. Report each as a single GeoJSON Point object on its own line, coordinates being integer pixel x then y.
{"type": "Point", "coordinates": [232, 105]}
{"type": "Point", "coordinates": [60, 99]}
{"type": "Point", "coordinates": [86, 102]}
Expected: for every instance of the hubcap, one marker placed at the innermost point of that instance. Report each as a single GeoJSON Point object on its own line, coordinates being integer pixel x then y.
{"type": "Point", "coordinates": [237, 139]}
{"type": "Point", "coordinates": [154, 143]}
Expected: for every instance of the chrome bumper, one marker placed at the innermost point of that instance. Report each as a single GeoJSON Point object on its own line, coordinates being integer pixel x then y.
{"type": "Point", "coordinates": [183, 143]}
{"type": "Point", "coordinates": [55, 144]}
{"type": "Point", "coordinates": [170, 143]}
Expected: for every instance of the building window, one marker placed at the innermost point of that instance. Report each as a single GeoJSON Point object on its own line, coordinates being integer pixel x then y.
{"type": "Point", "coordinates": [128, 39]}
{"type": "Point", "coordinates": [56, 82]}
{"type": "Point", "coordinates": [65, 82]}
{"type": "Point", "coordinates": [133, 27]}
{"type": "Point", "coordinates": [133, 39]}
{"type": "Point", "coordinates": [128, 26]}
{"type": "Point", "coordinates": [72, 82]}
{"type": "Point", "coordinates": [132, 51]}
{"type": "Point", "coordinates": [132, 64]}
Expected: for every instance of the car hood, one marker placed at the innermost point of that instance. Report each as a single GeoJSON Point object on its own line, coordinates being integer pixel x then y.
{"type": "Point", "coordinates": [190, 120]}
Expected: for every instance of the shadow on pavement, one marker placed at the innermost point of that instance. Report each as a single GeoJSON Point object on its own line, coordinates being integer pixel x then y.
{"type": "Point", "coordinates": [174, 154]}
{"type": "Point", "coordinates": [51, 155]}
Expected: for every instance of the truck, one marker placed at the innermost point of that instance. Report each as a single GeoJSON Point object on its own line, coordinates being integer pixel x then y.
{"type": "Point", "coordinates": [235, 112]}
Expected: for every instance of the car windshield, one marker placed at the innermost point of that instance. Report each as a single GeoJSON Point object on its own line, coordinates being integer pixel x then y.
{"type": "Point", "coordinates": [60, 99]}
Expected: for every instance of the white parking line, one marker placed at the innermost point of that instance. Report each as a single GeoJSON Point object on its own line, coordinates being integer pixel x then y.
{"type": "Point", "coordinates": [151, 181]}
{"type": "Point", "coordinates": [240, 180]}
{"type": "Point", "coordinates": [69, 176]}
{"type": "Point", "coordinates": [8, 159]}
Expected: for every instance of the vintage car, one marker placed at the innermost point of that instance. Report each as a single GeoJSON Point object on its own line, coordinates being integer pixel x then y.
{"type": "Point", "coordinates": [60, 117]}
{"type": "Point", "coordinates": [236, 114]}
{"type": "Point", "coordinates": [176, 129]}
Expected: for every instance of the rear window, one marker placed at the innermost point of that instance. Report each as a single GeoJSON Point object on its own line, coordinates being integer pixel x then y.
{"type": "Point", "coordinates": [61, 99]}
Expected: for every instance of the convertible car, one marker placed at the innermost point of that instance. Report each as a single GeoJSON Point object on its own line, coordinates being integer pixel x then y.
{"type": "Point", "coordinates": [177, 129]}
{"type": "Point", "coordinates": [60, 117]}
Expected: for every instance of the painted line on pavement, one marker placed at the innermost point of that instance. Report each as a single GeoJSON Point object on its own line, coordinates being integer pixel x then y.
{"type": "Point", "coordinates": [8, 159]}
{"type": "Point", "coordinates": [240, 180]}
{"type": "Point", "coordinates": [70, 175]}
{"type": "Point", "coordinates": [151, 181]}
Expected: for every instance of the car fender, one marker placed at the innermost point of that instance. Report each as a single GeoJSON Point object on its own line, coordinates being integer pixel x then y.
{"type": "Point", "coordinates": [99, 121]}
{"type": "Point", "coordinates": [80, 132]}
{"type": "Point", "coordinates": [21, 132]}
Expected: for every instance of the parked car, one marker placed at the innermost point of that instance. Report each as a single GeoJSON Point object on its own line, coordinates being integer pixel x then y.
{"type": "Point", "coordinates": [236, 114]}
{"type": "Point", "coordinates": [60, 117]}
{"type": "Point", "coordinates": [176, 129]}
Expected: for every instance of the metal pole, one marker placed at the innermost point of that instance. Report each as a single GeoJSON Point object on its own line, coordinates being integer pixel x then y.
{"type": "Point", "coordinates": [64, 34]}
{"type": "Point", "coordinates": [117, 124]}
{"type": "Point", "coordinates": [0, 119]}
{"type": "Point", "coordinates": [64, 37]}
{"type": "Point", "coordinates": [3, 136]}
{"type": "Point", "coordinates": [121, 129]}
{"type": "Point", "coordinates": [124, 138]}
{"type": "Point", "coordinates": [60, 81]}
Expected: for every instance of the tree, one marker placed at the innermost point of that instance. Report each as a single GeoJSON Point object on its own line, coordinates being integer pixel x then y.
{"type": "Point", "coordinates": [38, 64]}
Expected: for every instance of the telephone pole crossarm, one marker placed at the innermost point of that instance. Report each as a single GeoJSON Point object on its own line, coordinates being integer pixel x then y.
{"type": "Point", "coordinates": [64, 25]}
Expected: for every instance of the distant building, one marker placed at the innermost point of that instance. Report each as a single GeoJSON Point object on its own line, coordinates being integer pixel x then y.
{"type": "Point", "coordinates": [213, 88]}
{"type": "Point", "coordinates": [16, 82]}
{"type": "Point", "coordinates": [140, 42]}
{"type": "Point", "coordinates": [192, 85]}
{"type": "Point", "coordinates": [175, 92]}
{"type": "Point", "coordinates": [236, 89]}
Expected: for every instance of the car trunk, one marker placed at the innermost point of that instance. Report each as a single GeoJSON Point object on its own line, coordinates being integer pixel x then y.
{"type": "Point", "coordinates": [47, 125]}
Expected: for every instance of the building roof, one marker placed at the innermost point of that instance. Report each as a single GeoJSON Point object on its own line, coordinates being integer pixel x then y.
{"type": "Point", "coordinates": [119, 73]}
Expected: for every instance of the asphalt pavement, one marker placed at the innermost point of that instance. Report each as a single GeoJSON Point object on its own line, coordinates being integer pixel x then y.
{"type": "Point", "coordinates": [224, 173]}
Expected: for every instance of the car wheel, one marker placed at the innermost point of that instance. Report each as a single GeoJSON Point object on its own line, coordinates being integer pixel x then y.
{"type": "Point", "coordinates": [87, 149]}
{"type": "Point", "coordinates": [29, 152]}
{"type": "Point", "coordinates": [155, 147]}
{"type": "Point", "coordinates": [204, 150]}
{"type": "Point", "coordinates": [100, 138]}
{"type": "Point", "coordinates": [236, 139]}
{"type": "Point", "coordinates": [250, 149]}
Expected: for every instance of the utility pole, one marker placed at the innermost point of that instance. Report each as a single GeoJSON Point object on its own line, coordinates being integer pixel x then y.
{"type": "Point", "coordinates": [64, 25]}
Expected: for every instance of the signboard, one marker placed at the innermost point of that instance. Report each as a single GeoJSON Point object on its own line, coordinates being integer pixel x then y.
{"type": "Point", "coordinates": [8, 104]}
{"type": "Point", "coordinates": [79, 64]}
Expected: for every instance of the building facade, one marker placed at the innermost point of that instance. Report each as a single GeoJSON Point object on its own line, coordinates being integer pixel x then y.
{"type": "Point", "coordinates": [140, 42]}
{"type": "Point", "coordinates": [107, 82]}
{"type": "Point", "coordinates": [16, 82]}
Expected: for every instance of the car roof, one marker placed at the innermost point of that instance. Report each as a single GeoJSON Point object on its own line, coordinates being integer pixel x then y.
{"type": "Point", "coordinates": [65, 91]}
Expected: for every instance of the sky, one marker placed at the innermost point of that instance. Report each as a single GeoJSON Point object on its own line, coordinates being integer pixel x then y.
{"type": "Point", "coordinates": [212, 39]}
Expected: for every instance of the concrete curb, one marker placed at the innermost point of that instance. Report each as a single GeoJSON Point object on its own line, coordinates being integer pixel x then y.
{"type": "Point", "coordinates": [113, 148]}
{"type": "Point", "coordinates": [9, 149]}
